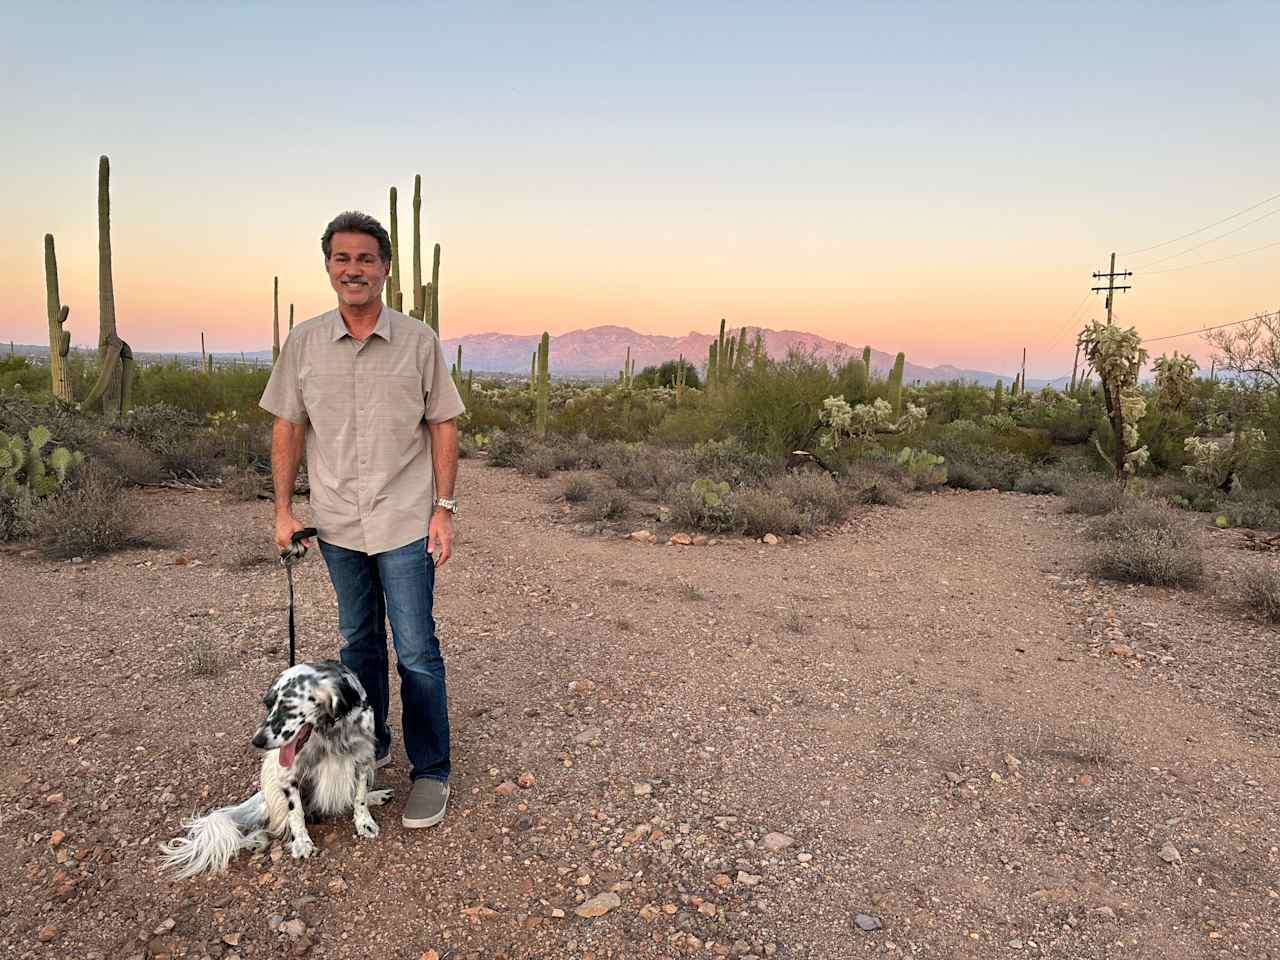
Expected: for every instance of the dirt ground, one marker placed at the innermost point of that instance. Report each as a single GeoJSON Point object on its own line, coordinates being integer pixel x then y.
{"type": "Point", "coordinates": [930, 717]}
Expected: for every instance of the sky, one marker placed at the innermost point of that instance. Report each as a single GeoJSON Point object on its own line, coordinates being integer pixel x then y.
{"type": "Point", "coordinates": [940, 179]}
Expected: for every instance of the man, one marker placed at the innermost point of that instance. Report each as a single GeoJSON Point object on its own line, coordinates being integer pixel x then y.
{"type": "Point", "coordinates": [367, 392]}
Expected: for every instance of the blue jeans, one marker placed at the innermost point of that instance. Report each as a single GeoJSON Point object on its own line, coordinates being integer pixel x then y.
{"type": "Point", "coordinates": [397, 584]}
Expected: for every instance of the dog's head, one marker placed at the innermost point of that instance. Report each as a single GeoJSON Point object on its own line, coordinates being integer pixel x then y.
{"type": "Point", "coordinates": [303, 698]}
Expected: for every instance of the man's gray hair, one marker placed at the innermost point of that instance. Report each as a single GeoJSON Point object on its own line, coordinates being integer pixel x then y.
{"type": "Point", "coordinates": [353, 221]}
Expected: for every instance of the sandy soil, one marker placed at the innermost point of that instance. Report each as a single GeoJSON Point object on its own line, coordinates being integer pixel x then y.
{"type": "Point", "coordinates": [930, 717]}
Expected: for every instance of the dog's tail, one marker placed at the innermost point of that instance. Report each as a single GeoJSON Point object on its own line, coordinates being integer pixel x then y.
{"type": "Point", "coordinates": [214, 840]}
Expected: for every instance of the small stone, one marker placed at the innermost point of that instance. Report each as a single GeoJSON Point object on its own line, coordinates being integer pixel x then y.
{"type": "Point", "coordinates": [748, 879]}
{"type": "Point", "coordinates": [231, 939]}
{"type": "Point", "coordinates": [599, 905]}
{"type": "Point", "coordinates": [1121, 650]}
{"type": "Point", "coordinates": [649, 912]}
{"type": "Point", "coordinates": [45, 934]}
{"type": "Point", "coordinates": [641, 789]}
{"type": "Point", "coordinates": [1106, 913]}
{"type": "Point", "coordinates": [1012, 762]}
{"type": "Point", "coordinates": [681, 540]}
{"type": "Point", "coordinates": [56, 798]}
{"type": "Point", "coordinates": [699, 540]}
{"type": "Point", "coordinates": [293, 928]}
{"type": "Point", "coordinates": [337, 886]}
{"type": "Point", "coordinates": [1169, 854]}
{"type": "Point", "coordinates": [56, 838]}
{"type": "Point", "coordinates": [773, 842]}
{"type": "Point", "coordinates": [1084, 780]}
{"type": "Point", "coordinates": [771, 539]}
{"type": "Point", "coordinates": [581, 686]}
{"type": "Point", "coordinates": [707, 908]}
{"type": "Point", "coordinates": [526, 780]}
{"type": "Point", "coordinates": [587, 735]}
{"type": "Point", "coordinates": [866, 922]}
{"type": "Point", "coordinates": [505, 789]}
{"type": "Point", "coordinates": [641, 536]}
{"type": "Point", "coordinates": [1015, 944]}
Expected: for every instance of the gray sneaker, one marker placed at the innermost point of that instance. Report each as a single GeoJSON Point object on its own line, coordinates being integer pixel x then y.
{"type": "Point", "coordinates": [427, 801]}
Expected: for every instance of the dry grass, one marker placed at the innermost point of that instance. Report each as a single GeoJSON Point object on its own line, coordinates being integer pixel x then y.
{"type": "Point", "coordinates": [1093, 496]}
{"type": "Point", "coordinates": [577, 489]}
{"type": "Point", "coordinates": [690, 591]}
{"type": "Point", "coordinates": [92, 517]}
{"type": "Point", "coordinates": [793, 620]}
{"type": "Point", "coordinates": [1146, 542]}
{"type": "Point", "coordinates": [204, 657]}
{"type": "Point", "coordinates": [1262, 592]}
{"type": "Point", "coordinates": [607, 505]}
{"type": "Point", "coordinates": [757, 512]}
{"type": "Point", "coordinates": [243, 486]}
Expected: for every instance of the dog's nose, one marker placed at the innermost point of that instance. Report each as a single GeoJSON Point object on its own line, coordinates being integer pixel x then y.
{"type": "Point", "coordinates": [260, 740]}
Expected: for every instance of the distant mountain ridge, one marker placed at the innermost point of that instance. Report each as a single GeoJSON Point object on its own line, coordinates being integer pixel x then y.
{"type": "Point", "coordinates": [601, 351]}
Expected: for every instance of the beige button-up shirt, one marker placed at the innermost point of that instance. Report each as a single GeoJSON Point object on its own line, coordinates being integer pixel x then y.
{"type": "Point", "coordinates": [366, 406]}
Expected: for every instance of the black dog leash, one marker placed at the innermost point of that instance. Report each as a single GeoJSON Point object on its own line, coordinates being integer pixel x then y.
{"type": "Point", "coordinates": [289, 557]}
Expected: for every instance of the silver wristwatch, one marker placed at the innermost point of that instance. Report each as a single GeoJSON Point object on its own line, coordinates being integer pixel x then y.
{"type": "Point", "coordinates": [448, 504]}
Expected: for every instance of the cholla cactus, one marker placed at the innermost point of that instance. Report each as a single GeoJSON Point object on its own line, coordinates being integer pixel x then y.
{"type": "Point", "coordinates": [1117, 355]}
{"type": "Point", "coordinates": [1174, 377]}
{"type": "Point", "coordinates": [1216, 462]}
{"type": "Point", "coordinates": [837, 416]}
{"type": "Point", "coordinates": [871, 418]}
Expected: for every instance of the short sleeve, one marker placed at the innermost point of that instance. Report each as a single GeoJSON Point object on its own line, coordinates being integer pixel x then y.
{"type": "Point", "coordinates": [283, 396]}
{"type": "Point", "coordinates": [442, 399]}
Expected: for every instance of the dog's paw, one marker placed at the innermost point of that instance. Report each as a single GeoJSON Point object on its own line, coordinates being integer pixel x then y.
{"type": "Point", "coordinates": [377, 798]}
{"type": "Point", "coordinates": [366, 826]}
{"type": "Point", "coordinates": [257, 841]}
{"type": "Point", "coordinates": [301, 848]}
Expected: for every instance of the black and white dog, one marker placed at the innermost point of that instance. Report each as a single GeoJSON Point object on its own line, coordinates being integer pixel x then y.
{"type": "Point", "coordinates": [319, 739]}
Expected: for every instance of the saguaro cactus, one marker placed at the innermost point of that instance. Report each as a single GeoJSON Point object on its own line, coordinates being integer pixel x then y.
{"type": "Point", "coordinates": [275, 320]}
{"type": "Point", "coordinates": [895, 383]}
{"type": "Point", "coordinates": [544, 383]}
{"type": "Point", "coordinates": [533, 373]}
{"type": "Point", "coordinates": [866, 358]}
{"type": "Point", "coordinates": [997, 397]}
{"type": "Point", "coordinates": [418, 291]}
{"type": "Point", "coordinates": [393, 281]}
{"type": "Point", "coordinates": [115, 377]}
{"type": "Point", "coordinates": [291, 318]}
{"type": "Point", "coordinates": [59, 338]}
{"type": "Point", "coordinates": [433, 288]}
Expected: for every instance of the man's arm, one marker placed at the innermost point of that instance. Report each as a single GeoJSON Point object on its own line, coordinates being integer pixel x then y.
{"type": "Point", "coordinates": [288, 440]}
{"type": "Point", "coordinates": [444, 463]}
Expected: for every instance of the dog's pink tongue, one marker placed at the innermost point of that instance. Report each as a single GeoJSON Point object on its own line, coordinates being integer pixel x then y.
{"type": "Point", "coordinates": [287, 752]}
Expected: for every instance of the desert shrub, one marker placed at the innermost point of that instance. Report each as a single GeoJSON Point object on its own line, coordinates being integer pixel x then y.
{"type": "Point", "coordinates": [1254, 511]}
{"type": "Point", "coordinates": [1042, 480]}
{"type": "Point", "coordinates": [818, 496]}
{"type": "Point", "coordinates": [1146, 542]}
{"type": "Point", "coordinates": [636, 466]}
{"type": "Point", "coordinates": [607, 504]}
{"type": "Point", "coordinates": [204, 656]}
{"type": "Point", "coordinates": [964, 475]}
{"type": "Point", "coordinates": [15, 516]}
{"type": "Point", "coordinates": [758, 511]}
{"type": "Point", "coordinates": [877, 482]}
{"type": "Point", "coordinates": [701, 505]}
{"type": "Point", "coordinates": [537, 460]}
{"type": "Point", "coordinates": [978, 462]}
{"type": "Point", "coordinates": [505, 449]}
{"type": "Point", "coordinates": [1093, 496]}
{"type": "Point", "coordinates": [773, 406]}
{"type": "Point", "coordinates": [179, 440]}
{"type": "Point", "coordinates": [568, 454]}
{"type": "Point", "coordinates": [243, 485]}
{"type": "Point", "coordinates": [578, 489]}
{"type": "Point", "coordinates": [1135, 515]}
{"type": "Point", "coordinates": [1262, 592]}
{"type": "Point", "coordinates": [730, 460]}
{"type": "Point", "coordinates": [90, 517]}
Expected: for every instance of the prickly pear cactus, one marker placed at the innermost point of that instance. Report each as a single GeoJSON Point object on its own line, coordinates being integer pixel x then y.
{"type": "Point", "coordinates": [926, 469]}
{"type": "Point", "coordinates": [24, 470]}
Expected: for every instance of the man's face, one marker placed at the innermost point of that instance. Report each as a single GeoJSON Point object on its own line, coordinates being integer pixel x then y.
{"type": "Point", "coordinates": [355, 267]}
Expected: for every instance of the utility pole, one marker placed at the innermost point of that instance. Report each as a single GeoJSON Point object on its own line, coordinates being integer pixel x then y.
{"type": "Point", "coordinates": [1111, 287]}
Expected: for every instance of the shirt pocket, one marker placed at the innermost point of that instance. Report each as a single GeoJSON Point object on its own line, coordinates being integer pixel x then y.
{"type": "Point", "coordinates": [328, 399]}
{"type": "Point", "coordinates": [397, 404]}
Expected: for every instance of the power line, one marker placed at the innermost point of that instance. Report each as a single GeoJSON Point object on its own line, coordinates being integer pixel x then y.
{"type": "Point", "coordinates": [1165, 243]}
{"type": "Point", "coordinates": [1111, 287]}
{"type": "Point", "coordinates": [1205, 263]}
{"type": "Point", "coordinates": [1221, 326]}
{"type": "Point", "coordinates": [1205, 243]}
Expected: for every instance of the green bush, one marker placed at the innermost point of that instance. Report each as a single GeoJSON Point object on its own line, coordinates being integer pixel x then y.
{"type": "Point", "coordinates": [537, 460]}
{"type": "Point", "coordinates": [1255, 511]}
{"type": "Point", "coordinates": [607, 504]}
{"type": "Point", "coordinates": [773, 407]}
{"type": "Point", "coordinates": [578, 489]}
{"type": "Point", "coordinates": [1042, 480]}
{"type": "Point", "coordinates": [730, 460]}
{"type": "Point", "coordinates": [701, 505]}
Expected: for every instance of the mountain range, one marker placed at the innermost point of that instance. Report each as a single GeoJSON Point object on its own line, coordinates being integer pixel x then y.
{"type": "Point", "coordinates": [601, 352]}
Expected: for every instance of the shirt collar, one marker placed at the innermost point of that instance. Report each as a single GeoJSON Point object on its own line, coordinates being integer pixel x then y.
{"type": "Point", "coordinates": [338, 329]}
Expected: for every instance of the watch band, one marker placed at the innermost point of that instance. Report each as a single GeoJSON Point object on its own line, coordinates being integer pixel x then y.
{"type": "Point", "coordinates": [448, 504]}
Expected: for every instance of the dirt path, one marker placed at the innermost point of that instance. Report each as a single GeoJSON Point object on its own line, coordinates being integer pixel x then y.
{"type": "Point", "coordinates": [919, 718]}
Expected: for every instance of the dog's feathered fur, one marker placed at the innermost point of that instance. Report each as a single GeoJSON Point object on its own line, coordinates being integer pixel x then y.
{"type": "Point", "coordinates": [319, 739]}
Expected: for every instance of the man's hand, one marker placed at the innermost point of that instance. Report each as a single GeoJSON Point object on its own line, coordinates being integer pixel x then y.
{"type": "Point", "coordinates": [286, 525]}
{"type": "Point", "coordinates": [440, 535]}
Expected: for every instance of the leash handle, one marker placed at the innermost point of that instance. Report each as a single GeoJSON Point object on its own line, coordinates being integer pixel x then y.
{"type": "Point", "coordinates": [289, 556]}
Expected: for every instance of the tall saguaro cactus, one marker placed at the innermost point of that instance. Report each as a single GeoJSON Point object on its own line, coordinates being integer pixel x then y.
{"type": "Point", "coordinates": [115, 377]}
{"type": "Point", "coordinates": [59, 337]}
{"type": "Point", "coordinates": [866, 358]}
{"type": "Point", "coordinates": [544, 383]}
{"type": "Point", "coordinates": [418, 293]}
{"type": "Point", "coordinates": [393, 281]}
{"type": "Point", "coordinates": [895, 383]}
{"type": "Point", "coordinates": [275, 320]}
{"type": "Point", "coordinates": [433, 290]}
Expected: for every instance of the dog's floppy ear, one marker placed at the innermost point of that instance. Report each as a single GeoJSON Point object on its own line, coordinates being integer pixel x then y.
{"type": "Point", "coordinates": [346, 696]}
